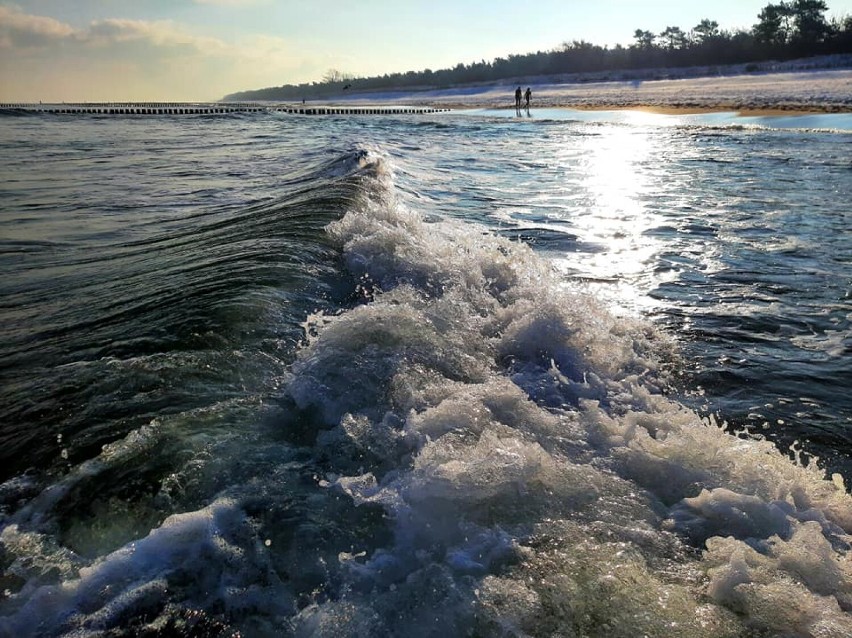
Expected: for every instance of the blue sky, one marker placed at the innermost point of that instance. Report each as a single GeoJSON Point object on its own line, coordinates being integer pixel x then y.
{"type": "Point", "coordinates": [93, 50]}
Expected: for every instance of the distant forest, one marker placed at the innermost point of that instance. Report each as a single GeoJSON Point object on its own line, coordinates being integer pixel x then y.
{"type": "Point", "coordinates": [784, 31]}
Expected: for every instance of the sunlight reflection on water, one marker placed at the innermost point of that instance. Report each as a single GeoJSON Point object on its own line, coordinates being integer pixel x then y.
{"type": "Point", "coordinates": [613, 190]}
{"type": "Point", "coordinates": [613, 175]}
{"type": "Point", "coordinates": [827, 121]}
{"type": "Point", "coordinates": [730, 235]}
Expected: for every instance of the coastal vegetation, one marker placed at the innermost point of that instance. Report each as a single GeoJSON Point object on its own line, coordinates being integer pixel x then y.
{"type": "Point", "coordinates": [783, 31]}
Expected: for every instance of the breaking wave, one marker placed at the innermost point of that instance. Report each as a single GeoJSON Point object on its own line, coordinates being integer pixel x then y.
{"type": "Point", "coordinates": [470, 446]}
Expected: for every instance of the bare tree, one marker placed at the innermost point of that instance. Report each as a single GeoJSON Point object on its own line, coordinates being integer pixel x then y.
{"type": "Point", "coordinates": [333, 75]}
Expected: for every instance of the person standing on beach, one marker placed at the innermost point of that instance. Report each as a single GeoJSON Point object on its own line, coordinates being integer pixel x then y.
{"type": "Point", "coordinates": [527, 97]}
{"type": "Point", "coordinates": [518, 98]}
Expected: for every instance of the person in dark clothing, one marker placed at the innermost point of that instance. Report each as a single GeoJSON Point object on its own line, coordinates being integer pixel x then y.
{"type": "Point", "coordinates": [518, 98]}
{"type": "Point", "coordinates": [527, 97]}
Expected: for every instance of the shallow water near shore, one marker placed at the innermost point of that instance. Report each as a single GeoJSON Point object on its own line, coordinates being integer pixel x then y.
{"type": "Point", "coordinates": [812, 121]}
{"type": "Point", "coordinates": [464, 373]}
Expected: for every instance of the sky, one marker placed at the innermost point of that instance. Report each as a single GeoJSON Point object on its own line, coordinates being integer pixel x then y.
{"type": "Point", "coordinates": [202, 50]}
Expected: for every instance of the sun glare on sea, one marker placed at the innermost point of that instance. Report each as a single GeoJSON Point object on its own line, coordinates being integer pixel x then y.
{"type": "Point", "coordinates": [618, 174]}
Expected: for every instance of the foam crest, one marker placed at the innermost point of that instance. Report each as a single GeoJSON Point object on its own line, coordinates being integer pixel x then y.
{"type": "Point", "coordinates": [483, 449]}
{"type": "Point", "coordinates": [800, 586]}
{"type": "Point", "coordinates": [128, 450]}
{"type": "Point", "coordinates": [536, 476]}
{"type": "Point", "coordinates": [211, 555]}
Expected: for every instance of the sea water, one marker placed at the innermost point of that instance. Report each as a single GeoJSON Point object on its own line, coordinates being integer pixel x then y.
{"type": "Point", "coordinates": [456, 374]}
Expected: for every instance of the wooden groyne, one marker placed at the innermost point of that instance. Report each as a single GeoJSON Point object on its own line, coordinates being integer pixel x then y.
{"type": "Point", "coordinates": [173, 108]}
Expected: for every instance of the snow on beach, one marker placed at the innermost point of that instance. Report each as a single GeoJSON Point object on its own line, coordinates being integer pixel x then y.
{"type": "Point", "coordinates": [820, 91]}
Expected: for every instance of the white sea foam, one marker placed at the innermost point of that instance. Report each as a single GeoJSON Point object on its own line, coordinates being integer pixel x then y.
{"type": "Point", "coordinates": [520, 444]}
{"type": "Point", "coordinates": [517, 435]}
{"type": "Point", "coordinates": [211, 551]}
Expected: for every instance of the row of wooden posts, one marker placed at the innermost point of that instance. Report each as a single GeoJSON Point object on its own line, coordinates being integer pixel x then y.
{"type": "Point", "coordinates": [154, 108]}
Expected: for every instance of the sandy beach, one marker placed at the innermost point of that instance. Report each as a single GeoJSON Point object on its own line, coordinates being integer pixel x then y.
{"type": "Point", "coordinates": [816, 91]}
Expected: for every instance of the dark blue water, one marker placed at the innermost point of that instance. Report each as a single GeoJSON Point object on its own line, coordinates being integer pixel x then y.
{"type": "Point", "coordinates": [277, 375]}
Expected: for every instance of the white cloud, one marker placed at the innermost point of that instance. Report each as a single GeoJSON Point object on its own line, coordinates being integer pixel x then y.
{"type": "Point", "coordinates": [20, 30]}
{"type": "Point", "coordinates": [118, 59]}
{"type": "Point", "coordinates": [159, 34]}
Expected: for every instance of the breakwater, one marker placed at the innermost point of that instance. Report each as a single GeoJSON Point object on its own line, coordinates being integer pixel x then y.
{"type": "Point", "coordinates": [175, 108]}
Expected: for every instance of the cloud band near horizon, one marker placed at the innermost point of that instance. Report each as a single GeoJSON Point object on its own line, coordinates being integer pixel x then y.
{"type": "Point", "coordinates": [42, 58]}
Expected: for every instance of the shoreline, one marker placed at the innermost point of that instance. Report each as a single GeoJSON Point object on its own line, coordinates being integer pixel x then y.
{"type": "Point", "coordinates": [674, 109]}
{"type": "Point", "coordinates": [813, 92]}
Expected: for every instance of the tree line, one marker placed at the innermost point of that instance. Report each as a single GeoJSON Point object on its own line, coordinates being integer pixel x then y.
{"type": "Point", "coordinates": [784, 31]}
